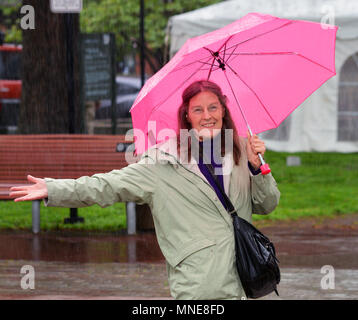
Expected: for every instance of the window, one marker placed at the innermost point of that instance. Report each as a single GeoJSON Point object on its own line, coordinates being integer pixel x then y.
{"type": "Point", "coordinates": [348, 100]}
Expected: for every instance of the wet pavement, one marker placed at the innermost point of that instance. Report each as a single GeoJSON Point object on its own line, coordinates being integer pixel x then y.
{"type": "Point", "coordinates": [72, 247]}
{"type": "Point", "coordinates": [75, 266]}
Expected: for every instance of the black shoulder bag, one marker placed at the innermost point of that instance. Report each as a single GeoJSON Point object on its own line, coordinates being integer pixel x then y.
{"type": "Point", "coordinates": [256, 260]}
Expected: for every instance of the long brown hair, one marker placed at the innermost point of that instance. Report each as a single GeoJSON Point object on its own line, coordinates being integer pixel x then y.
{"type": "Point", "coordinates": [191, 91]}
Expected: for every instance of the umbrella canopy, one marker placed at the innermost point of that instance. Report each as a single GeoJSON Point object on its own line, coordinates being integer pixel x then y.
{"type": "Point", "coordinates": [265, 65]}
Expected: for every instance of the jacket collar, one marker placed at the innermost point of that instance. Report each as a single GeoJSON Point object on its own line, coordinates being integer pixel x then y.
{"type": "Point", "coordinates": [166, 152]}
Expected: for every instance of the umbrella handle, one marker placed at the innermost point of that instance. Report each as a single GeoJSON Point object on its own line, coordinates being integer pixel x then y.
{"type": "Point", "coordinates": [265, 168]}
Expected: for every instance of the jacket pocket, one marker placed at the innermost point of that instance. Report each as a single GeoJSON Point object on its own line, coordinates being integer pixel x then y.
{"type": "Point", "coordinates": [188, 275]}
{"type": "Point", "coordinates": [190, 248]}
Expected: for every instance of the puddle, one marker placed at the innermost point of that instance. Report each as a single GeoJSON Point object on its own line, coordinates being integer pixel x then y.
{"type": "Point", "coordinates": [69, 248]}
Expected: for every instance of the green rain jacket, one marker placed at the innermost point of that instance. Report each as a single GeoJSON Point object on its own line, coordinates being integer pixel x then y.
{"type": "Point", "coordinates": [193, 229]}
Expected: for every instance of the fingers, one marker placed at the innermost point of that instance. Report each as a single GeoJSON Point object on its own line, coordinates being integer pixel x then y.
{"type": "Point", "coordinates": [17, 194]}
{"type": "Point", "coordinates": [257, 145]}
{"type": "Point", "coordinates": [21, 188]}
{"type": "Point", "coordinates": [253, 138]}
{"type": "Point", "coordinates": [32, 179]}
{"type": "Point", "coordinates": [17, 188]}
{"type": "Point", "coordinates": [249, 137]}
{"type": "Point", "coordinates": [25, 198]}
{"type": "Point", "coordinates": [18, 191]}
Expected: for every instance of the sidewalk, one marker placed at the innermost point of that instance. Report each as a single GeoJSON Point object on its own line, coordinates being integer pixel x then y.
{"type": "Point", "coordinates": [117, 281]}
{"type": "Point", "coordinates": [132, 267]}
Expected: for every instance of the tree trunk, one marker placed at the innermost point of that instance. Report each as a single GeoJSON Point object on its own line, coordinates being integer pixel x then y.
{"type": "Point", "coordinates": [46, 81]}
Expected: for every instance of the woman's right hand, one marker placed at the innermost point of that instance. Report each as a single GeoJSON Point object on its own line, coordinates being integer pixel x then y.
{"type": "Point", "coordinates": [36, 191]}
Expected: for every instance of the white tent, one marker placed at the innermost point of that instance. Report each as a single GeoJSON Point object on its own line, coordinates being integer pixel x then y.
{"type": "Point", "coordinates": [328, 119]}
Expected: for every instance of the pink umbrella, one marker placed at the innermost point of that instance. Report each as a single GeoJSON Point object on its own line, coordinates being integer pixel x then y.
{"type": "Point", "coordinates": [265, 65]}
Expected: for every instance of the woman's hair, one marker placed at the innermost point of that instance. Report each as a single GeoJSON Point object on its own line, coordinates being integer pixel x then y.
{"type": "Point", "coordinates": [183, 123]}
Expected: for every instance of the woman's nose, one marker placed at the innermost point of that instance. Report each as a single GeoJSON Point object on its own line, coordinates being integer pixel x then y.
{"type": "Point", "coordinates": [206, 114]}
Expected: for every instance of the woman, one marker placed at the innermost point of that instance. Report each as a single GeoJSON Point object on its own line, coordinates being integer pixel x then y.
{"type": "Point", "coordinates": [193, 229]}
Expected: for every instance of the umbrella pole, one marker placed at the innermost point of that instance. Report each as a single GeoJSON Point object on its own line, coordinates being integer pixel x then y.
{"type": "Point", "coordinates": [265, 169]}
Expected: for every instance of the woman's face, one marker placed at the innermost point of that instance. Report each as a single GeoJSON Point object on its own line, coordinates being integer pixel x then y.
{"type": "Point", "coordinates": [205, 113]}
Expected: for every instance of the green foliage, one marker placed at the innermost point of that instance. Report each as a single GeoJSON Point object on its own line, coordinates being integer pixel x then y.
{"type": "Point", "coordinates": [13, 35]}
{"type": "Point", "coordinates": [122, 18]}
{"type": "Point", "coordinates": [11, 20]}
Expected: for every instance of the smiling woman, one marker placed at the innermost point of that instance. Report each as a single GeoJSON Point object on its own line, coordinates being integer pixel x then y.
{"type": "Point", "coordinates": [193, 227]}
{"type": "Point", "coordinates": [204, 109]}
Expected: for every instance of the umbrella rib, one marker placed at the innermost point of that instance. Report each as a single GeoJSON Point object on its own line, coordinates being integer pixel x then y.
{"type": "Point", "coordinates": [237, 101]}
{"type": "Point", "coordinates": [224, 51]}
{"type": "Point", "coordinates": [263, 53]}
{"type": "Point", "coordinates": [189, 64]}
{"type": "Point", "coordinates": [318, 64]}
{"type": "Point", "coordinates": [211, 69]}
{"type": "Point", "coordinates": [224, 44]}
{"type": "Point", "coordinates": [211, 54]}
{"type": "Point", "coordinates": [280, 53]}
{"type": "Point", "coordinates": [180, 85]}
{"type": "Point", "coordinates": [236, 45]}
{"type": "Point", "coordinates": [259, 35]}
{"type": "Point", "coordinates": [262, 34]}
{"type": "Point", "coordinates": [253, 91]}
{"type": "Point", "coordinates": [227, 60]}
{"type": "Point", "coordinates": [260, 53]}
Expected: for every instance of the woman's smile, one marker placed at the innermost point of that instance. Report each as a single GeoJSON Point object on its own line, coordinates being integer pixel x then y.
{"type": "Point", "coordinates": [205, 113]}
{"type": "Point", "coordinates": [208, 125]}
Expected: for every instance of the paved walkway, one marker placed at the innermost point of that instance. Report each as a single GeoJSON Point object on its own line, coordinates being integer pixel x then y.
{"type": "Point", "coordinates": [132, 267]}
{"type": "Point", "coordinates": [59, 280]}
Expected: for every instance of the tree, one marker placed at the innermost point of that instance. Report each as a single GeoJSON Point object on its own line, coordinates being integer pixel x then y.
{"type": "Point", "coordinates": [122, 18]}
{"type": "Point", "coordinates": [44, 101]}
{"type": "Point", "coordinates": [9, 22]}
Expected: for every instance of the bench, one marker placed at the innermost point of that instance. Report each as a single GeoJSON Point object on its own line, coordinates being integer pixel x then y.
{"type": "Point", "coordinates": [61, 156]}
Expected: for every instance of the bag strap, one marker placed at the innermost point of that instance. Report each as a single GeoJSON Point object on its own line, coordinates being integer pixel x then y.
{"type": "Point", "coordinates": [230, 208]}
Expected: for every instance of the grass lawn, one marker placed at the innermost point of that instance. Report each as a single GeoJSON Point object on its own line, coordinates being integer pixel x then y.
{"type": "Point", "coordinates": [326, 184]}
{"type": "Point", "coordinates": [17, 216]}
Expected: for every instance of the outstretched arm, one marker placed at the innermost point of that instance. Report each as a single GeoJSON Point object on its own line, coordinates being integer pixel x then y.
{"type": "Point", "coordinates": [136, 182]}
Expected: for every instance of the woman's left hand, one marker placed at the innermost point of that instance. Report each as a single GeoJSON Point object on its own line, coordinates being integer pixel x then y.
{"type": "Point", "coordinates": [253, 147]}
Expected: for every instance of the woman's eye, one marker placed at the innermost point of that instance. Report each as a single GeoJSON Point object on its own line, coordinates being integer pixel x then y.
{"type": "Point", "coordinates": [213, 108]}
{"type": "Point", "coordinates": [197, 110]}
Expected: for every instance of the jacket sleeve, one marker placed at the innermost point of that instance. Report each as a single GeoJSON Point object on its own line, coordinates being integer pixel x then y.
{"type": "Point", "coordinates": [265, 195]}
{"type": "Point", "coordinates": [136, 183]}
